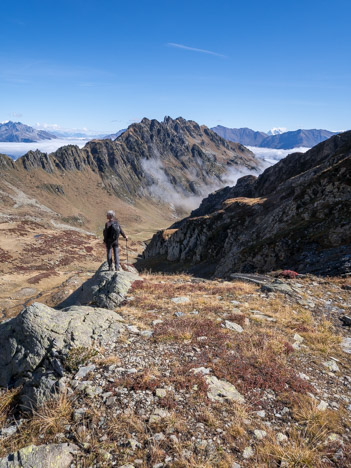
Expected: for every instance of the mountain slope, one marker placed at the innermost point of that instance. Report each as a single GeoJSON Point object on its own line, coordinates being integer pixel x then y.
{"type": "Point", "coordinates": [151, 165]}
{"type": "Point", "coordinates": [295, 215]}
{"type": "Point", "coordinates": [18, 132]}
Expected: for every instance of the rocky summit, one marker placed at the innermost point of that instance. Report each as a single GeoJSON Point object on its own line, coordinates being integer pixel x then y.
{"type": "Point", "coordinates": [180, 154]}
{"type": "Point", "coordinates": [296, 215]}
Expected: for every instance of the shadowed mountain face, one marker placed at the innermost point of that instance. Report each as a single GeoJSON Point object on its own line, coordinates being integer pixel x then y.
{"type": "Point", "coordinates": [18, 132]}
{"type": "Point", "coordinates": [296, 215]}
{"type": "Point", "coordinates": [286, 140]}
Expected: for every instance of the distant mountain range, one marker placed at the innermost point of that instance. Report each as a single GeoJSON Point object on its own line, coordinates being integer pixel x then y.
{"type": "Point", "coordinates": [19, 132]}
{"type": "Point", "coordinates": [113, 136]}
{"type": "Point", "coordinates": [277, 140]}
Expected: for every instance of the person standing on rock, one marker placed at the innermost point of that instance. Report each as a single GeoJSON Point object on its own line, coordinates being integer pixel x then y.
{"type": "Point", "coordinates": [111, 234]}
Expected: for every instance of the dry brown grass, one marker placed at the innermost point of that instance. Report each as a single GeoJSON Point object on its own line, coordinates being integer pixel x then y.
{"type": "Point", "coordinates": [323, 339]}
{"type": "Point", "coordinates": [52, 416]}
{"type": "Point", "coordinates": [107, 361]}
{"type": "Point", "coordinates": [315, 421]}
{"type": "Point", "coordinates": [307, 444]}
{"type": "Point", "coordinates": [47, 421]}
{"type": "Point", "coordinates": [7, 403]}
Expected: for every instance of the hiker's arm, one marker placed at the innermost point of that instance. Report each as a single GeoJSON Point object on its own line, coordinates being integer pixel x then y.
{"type": "Point", "coordinates": [122, 232]}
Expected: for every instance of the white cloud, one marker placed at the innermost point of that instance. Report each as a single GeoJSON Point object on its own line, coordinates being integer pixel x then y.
{"type": "Point", "coordinates": [194, 49]}
{"type": "Point", "coordinates": [46, 126]}
{"type": "Point", "coordinates": [271, 156]}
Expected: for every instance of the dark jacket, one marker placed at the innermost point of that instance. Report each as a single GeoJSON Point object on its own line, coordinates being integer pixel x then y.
{"type": "Point", "coordinates": [107, 241]}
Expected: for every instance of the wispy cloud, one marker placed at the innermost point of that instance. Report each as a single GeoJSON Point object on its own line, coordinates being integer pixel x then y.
{"type": "Point", "coordinates": [194, 49]}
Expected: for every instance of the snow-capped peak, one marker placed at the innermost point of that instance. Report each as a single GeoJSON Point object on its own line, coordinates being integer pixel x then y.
{"type": "Point", "coordinates": [277, 131]}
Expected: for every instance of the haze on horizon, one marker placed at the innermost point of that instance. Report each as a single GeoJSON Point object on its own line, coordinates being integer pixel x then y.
{"type": "Point", "coordinates": [99, 66]}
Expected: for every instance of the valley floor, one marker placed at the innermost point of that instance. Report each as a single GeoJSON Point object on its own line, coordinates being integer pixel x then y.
{"type": "Point", "coordinates": [206, 374]}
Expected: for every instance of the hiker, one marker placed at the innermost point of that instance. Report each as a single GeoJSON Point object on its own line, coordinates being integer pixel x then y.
{"type": "Point", "coordinates": [111, 233]}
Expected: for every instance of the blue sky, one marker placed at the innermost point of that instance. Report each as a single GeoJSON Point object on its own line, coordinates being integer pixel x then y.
{"type": "Point", "coordinates": [102, 65]}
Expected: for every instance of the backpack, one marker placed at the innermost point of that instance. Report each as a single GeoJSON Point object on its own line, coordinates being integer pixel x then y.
{"type": "Point", "coordinates": [113, 232]}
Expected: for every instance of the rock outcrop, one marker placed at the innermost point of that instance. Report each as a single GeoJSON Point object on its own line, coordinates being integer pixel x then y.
{"type": "Point", "coordinates": [42, 456]}
{"type": "Point", "coordinates": [106, 289]}
{"type": "Point", "coordinates": [39, 340]}
{"type": "Point", "coordinates": [296, 215]}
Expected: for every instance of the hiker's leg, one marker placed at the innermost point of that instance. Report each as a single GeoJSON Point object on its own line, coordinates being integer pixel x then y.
{"type": "Point", "coordinates": [109, 255]}
{"type": "Point", "coordinates": [116, 254]}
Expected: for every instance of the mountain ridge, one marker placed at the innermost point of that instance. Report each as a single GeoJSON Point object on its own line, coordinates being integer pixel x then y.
{"type": "Point", "coordinates": [285, 140]}
{"type": "Point", "coordinates": [19, 132]}
{"type": "Point", "coordinates": [154, 172]}
{"type": "Point", "coordinates": [295, 215]}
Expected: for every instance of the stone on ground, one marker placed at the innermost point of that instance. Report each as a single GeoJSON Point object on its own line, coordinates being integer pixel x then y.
{"type": "Point", "coordinates": [42, 456]}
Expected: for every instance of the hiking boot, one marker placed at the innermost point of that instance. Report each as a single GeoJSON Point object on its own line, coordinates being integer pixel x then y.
{"type": "Point", "coordinates": [110, 268]}
{"type": "Point", "coordinates": [118, 268]}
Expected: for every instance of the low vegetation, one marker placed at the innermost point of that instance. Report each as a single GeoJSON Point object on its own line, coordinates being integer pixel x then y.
{"type": "Point", "coordinates": [147, 402]}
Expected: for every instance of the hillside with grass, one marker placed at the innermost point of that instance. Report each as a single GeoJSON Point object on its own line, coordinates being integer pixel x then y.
{"type": "Point", "coordinates": [203, 373]}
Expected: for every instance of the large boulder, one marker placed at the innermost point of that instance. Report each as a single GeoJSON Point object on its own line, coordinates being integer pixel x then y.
{"type": "Point", "coordinates": [43, 456]}
{"type": "Point", "coordinates": [38, 341]}
{"type": "Point", "coordinates": [105, 289]}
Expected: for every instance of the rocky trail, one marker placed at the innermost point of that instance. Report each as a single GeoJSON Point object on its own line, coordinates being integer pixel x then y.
{"type": "Point", "coordinates": [180, 372]}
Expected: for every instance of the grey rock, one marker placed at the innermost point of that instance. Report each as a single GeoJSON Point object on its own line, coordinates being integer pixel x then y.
{"type": "Point", "coordinates": [201, 370]}
{"type": "Point", "coordinates": [248, 453]}
{"type": "Point", "coordinates": [323, 405]}
{"type": "Point", "coordinates": [179, 314]}
{"type": "Point", "coordinates": [133, 329]}
{"type": "Point", "coordinates": [346, 345]}
{"type": "Point", "coordinates": [233, 326]}
{"type": "Point", "coordinates": [331, 365]}
{"type": "Point", "coordinates": [281, 437]}
{"type": "Point", "coordinates": [157, 322]}
{"type": "Point", "coordinates": [42, 456]}
{"type": "Point", "coordinates": [180, 300]}
{"type": "Point", "coordinates": [8, 431]}
{"type": "Point", "coordinates": [84, 371]}
{"type": "Point", "coordinates": [221, 390]}
{"type": "Point", "coordinates": [278, 287]}
{"type": "Point", "coordinates": [36, 333]}
{"type": "Point", "coordinates": [134, 444]}
{"type": "Point", "coordinates": [106, 289]}
{"type": "Point", "coordinates": [260, 434]}
{"type": "Point", "coordinates": [157, 415]}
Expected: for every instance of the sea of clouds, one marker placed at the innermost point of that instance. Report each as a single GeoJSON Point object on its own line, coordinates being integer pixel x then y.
{"type": "Point", "coordinates": [15, 150]}
{"type": "Point", "coordinates": [272, 156]}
